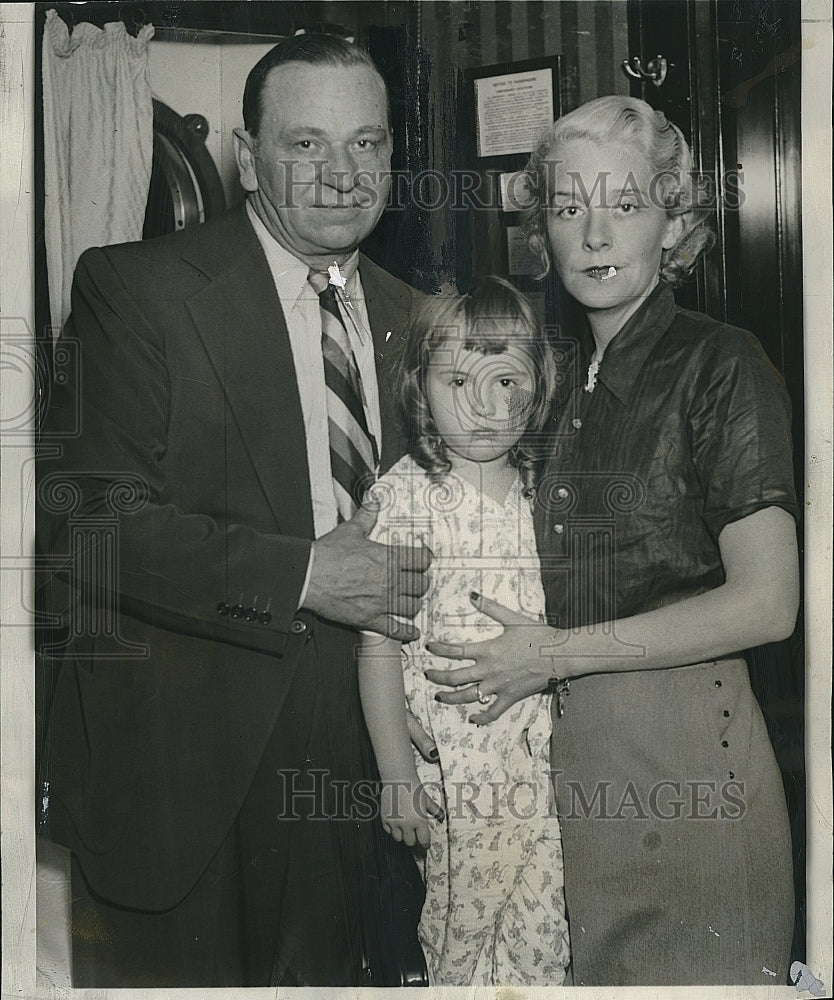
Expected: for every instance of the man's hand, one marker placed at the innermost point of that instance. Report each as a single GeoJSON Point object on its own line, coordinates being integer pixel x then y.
{"type": "Point", "coordinates": [364, 584]}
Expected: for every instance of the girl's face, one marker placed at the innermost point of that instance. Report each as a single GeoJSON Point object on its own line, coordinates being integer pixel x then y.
{"type": "Point", "coordinates": [480, 403]}
{"type": "Point", "coordinates": [607, 228]}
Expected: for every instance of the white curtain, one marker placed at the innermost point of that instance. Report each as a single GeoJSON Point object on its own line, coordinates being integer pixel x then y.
{"type": "Point", "coordinates": [98, 144]}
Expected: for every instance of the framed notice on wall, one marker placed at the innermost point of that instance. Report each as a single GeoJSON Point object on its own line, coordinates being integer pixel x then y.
{"type": "Point", "coordinates": [512, 103]}
{"type": "Point", "coordinates": [520, 258]}
{"type": "Point", "coordinates": [503, 113]}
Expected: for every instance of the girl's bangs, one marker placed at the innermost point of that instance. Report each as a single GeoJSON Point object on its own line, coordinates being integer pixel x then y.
{"type": "Point", "coordinates": [486, 335]}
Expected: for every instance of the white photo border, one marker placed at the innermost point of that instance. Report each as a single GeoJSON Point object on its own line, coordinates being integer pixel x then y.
{"type": "Point", "coordinates": [17, 396]}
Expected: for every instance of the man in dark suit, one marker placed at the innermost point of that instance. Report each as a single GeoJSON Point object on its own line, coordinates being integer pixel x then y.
{"type": "Point", "coordinates": [206, 760]}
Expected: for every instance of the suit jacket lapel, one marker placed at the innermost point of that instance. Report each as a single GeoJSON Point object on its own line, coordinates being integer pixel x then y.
{"type": "Point", "coordinates": [389, 303]}
{"type": "Point", "coordinates": [239, 319]}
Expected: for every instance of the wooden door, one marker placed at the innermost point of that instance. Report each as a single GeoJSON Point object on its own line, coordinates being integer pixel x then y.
{"type": "Point", "coordinates": [732, 85]}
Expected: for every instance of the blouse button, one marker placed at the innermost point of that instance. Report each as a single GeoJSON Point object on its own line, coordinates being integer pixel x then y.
{"type": "Point", "coordinates": [562, 493]}
{"type": "Point", "coordinates": [726, 714]}
{"type": "Point", "coordinates": [718, 684]}
{"type": "Point", "coordinates": [724, 743]}
{"type": "Point", "coordinates": [577, 423]}
{"type": "Point", "coordinates": [732, 774]}
{"type": "Point", "coordinates": [558, 528]}
{"type": "Point", "coordinates": [298, 627]}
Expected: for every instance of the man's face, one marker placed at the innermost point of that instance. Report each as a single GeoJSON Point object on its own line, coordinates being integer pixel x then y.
{"type": "Point", "coordinates": [318, 171]}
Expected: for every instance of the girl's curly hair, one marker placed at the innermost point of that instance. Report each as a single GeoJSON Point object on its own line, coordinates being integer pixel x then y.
{"type": "Point", "coordinates": [492, 317]}
{"type": "Point", "coordinates": [625, 120]}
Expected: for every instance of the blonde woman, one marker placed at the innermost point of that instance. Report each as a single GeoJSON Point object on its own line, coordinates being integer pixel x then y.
{"type": "Point", "coordinates": [665, 527]}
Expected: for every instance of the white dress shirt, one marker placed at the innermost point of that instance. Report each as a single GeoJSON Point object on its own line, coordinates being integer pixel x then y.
{"type": "Point", "coordinates": [300, 305]}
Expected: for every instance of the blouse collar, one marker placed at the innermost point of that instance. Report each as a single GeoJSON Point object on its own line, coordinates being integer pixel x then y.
{"type": "Point", "coordinates": [628, 352]}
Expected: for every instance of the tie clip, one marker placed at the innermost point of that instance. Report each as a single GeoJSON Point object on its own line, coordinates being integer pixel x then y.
{"type": "Point", "coordinates": [338, 281]}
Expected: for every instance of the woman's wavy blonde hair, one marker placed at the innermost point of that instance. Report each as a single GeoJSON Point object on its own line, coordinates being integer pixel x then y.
{"type": "Point", "coordinates": [625, 120]}
{"type": "Point", "coordinates": [491, 318]}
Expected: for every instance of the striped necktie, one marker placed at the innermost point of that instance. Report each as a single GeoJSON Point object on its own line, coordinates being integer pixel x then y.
{"type": "Point", "coordinates": [353, 449]}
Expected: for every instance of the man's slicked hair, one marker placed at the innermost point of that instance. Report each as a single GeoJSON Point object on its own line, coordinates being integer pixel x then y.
{"type": "Point", "coordinates": [312, 49]}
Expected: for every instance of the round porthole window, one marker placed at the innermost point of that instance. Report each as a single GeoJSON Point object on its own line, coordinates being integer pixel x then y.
{"type": "Point", "coordinates": [185, 187]}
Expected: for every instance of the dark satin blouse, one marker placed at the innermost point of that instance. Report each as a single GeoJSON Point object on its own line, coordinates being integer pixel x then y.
{"type": "Point", "coordinates": [686, 430]}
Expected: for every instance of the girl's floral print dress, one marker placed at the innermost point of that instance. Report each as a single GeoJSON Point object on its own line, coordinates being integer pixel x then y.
{"type": "Point", "coordinates": [494, 910]}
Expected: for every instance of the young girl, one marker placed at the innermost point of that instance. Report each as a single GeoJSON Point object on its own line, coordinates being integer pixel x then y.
{"type": "Point", "coordinates": [476, 383]}
{"type": "Point", "coordinates": [665, 523]}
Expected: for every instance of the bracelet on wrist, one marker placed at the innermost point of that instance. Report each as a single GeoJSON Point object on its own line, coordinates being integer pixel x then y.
{"type": "Point", "coordinates": [559, 689]}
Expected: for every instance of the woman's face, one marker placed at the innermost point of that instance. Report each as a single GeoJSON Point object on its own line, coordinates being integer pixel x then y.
{"type": "Point", "coordinates": [607, 228]}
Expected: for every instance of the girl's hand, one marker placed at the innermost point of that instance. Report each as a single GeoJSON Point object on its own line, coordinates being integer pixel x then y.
{"type": "Point", "coordinates": [510, 667]}
{"type": "Point", "coordinates": [405, 807]}
{"type": "Point", "coordinates": [420, 738]}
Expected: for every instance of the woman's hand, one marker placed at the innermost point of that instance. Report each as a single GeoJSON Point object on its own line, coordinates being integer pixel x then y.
{"type": "Point", "coordinates": [510, 667]}
{"type": "Point", "coordinates": [405, 807]}
{"type": "Point", "coordinates": [756, 604]}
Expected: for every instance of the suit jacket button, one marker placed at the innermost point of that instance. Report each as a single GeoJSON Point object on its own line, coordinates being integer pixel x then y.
{"type": "Point", "coordinates": [298, 627]}
{"type": "Point", "coordinates": [264, 618]}
{"type": "Point", "coordinates": [251, 614]}
{"type": "Point", "coordinates": [222, 608]}
{"type": "Point", "coordinates": [236, 611]}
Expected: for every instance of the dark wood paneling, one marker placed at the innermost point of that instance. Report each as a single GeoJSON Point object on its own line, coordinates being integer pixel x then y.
{"type": "Point", "coordinates": [734, 90]}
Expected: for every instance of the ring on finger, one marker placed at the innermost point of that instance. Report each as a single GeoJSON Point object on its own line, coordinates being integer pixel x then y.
{"type": "Point", "coordinates": [483, 699]}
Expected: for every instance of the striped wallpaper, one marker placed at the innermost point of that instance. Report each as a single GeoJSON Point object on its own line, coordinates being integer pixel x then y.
{"type": "Point", "coordinates": [591, 36]}
{"type": "Point", "coordinates": [444, 39]}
